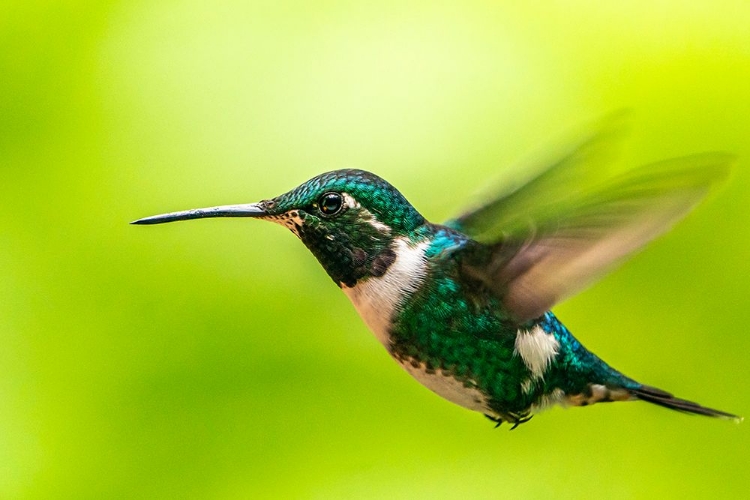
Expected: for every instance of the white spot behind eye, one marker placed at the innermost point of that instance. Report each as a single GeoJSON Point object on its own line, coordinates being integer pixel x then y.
{"type": "Point", "coordinates": [352, 203]}
{"type": "Point", "coordinates": [349, 201]}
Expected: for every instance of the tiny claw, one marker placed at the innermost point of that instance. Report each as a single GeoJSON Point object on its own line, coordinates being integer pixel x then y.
{"type": "Point", "coordinates": [498, 421]}
{"type": "Point", "coordinates": [521, 421]}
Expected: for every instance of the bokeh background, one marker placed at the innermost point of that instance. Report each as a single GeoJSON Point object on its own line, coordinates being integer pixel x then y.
{"type": "Point", "coordinates": [215, 359]}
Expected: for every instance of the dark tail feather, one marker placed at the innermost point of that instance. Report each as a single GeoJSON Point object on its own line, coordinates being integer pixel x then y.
{"type": "Point", "coordinates": [665, 399]}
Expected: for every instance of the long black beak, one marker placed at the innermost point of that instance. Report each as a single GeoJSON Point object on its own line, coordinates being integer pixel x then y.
{"type": "Point", "coordinates": [247, 210]}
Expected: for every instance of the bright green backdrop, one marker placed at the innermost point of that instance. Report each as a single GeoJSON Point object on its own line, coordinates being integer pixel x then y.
{"type": "Point", "coordinates": [215, 359]}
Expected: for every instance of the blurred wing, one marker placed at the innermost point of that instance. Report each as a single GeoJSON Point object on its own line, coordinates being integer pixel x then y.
{"type": "Point", "coordinates": [550, 185]}
{"type": "Point", "coordinates": [535, 257]}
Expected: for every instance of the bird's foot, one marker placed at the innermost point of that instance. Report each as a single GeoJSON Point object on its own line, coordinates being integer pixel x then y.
{"type": "Point", "coordinates": [521, 420]}
{"type": "Point", "coordinates": [516, 420]}
{"type": "Point", "coordinates": [497, 420]}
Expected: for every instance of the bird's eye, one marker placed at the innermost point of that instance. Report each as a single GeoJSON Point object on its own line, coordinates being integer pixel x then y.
{"type": "Point", "coordinates": [330, 203]}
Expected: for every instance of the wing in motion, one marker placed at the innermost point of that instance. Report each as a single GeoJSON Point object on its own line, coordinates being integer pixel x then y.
{"type": "Point", "coordinates": [565, 228]}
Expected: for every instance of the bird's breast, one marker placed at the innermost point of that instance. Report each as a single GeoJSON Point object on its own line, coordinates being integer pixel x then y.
{"type": "Point", "coordinates": [378, 299]}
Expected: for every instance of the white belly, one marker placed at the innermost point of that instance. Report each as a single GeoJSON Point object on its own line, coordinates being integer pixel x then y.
{"type": "Point", "coordinates": [448, 387]}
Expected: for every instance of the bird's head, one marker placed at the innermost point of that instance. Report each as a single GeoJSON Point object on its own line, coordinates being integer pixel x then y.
{"type": "Point", "coordinates": [347, 218]}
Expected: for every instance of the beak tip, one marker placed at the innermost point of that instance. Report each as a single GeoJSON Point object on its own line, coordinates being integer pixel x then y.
{"type": "Point", "coordinates": [145, 221]}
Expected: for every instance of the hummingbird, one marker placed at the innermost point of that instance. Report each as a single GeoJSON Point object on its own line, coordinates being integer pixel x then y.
{"type": "Point", "coordinates": [464, 306]}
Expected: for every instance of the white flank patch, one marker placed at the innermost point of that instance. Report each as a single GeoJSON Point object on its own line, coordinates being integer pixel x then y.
{"type": "Point", "coordinates": [537, 349]}
{"type": "Point", "coordinates": [448, 387]}
{"type": "Point", "coordinates": [376, 299]}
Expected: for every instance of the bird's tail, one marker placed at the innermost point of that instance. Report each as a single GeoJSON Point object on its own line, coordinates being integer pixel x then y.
{"type": "Point", "coordinates": [665, 399]}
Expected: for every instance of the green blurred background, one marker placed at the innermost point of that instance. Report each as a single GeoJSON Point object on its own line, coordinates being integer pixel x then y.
{"type": "Point", "coordinates": [215, 359]}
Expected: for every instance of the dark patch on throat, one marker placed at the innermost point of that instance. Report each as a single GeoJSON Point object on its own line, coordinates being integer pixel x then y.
{"type": "Point", "coordinates": [382, 262]}
{"type": "Point", "coordinates": [364, 265]}
{"type": "Point", "coordinates": [359, 257]}
{"type": "Point", "coordinates": [349, 248]}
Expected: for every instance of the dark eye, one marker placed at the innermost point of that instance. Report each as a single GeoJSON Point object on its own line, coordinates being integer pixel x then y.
{"type": "Point", "coordinates": [330, 203]}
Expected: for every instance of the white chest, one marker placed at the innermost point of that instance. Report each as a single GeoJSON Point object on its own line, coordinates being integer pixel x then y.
{"type": "Point", "coordinates": [377, 300]}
